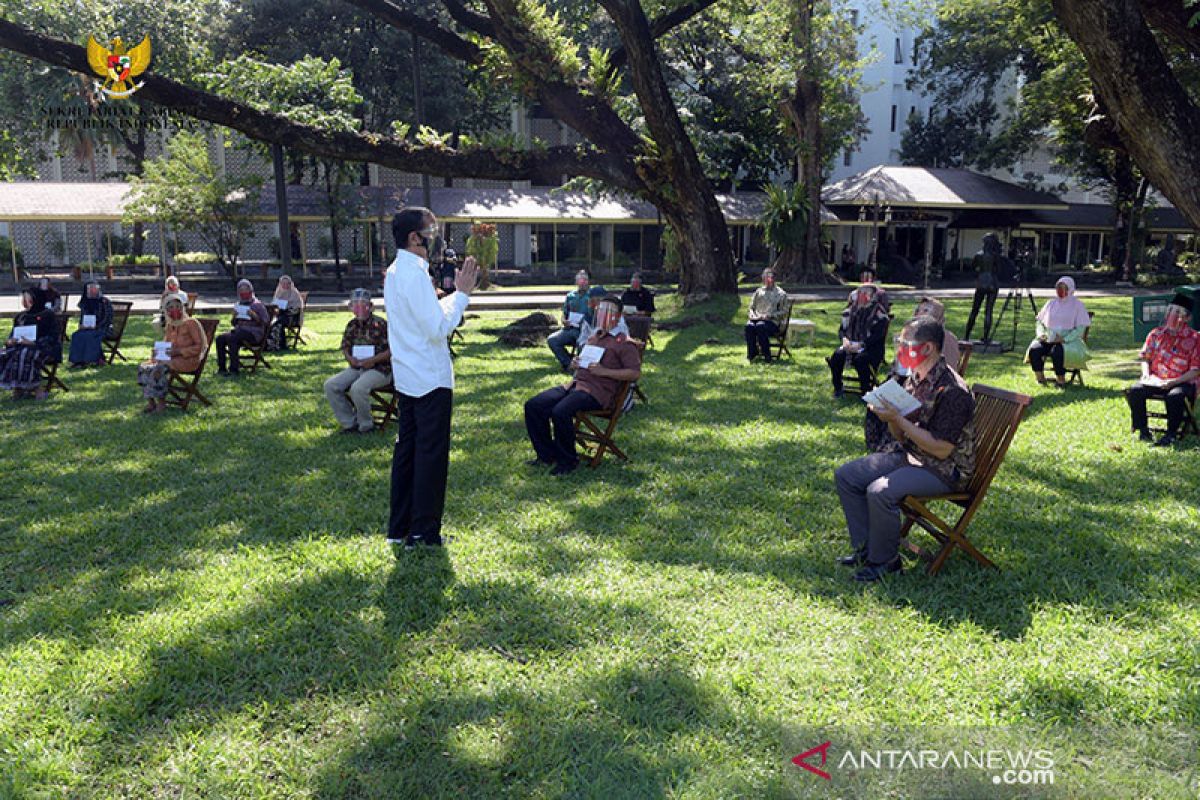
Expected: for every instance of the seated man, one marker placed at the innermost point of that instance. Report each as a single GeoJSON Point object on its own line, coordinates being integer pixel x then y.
{"type": "Point", "coordinates": [768, 307]}
{"type": "Point", "coordinates": [1170, 370]}
{"type": "Point", "coordinates": [594, 387]}
{"type": "Point", "coordinates": [864, 330]}
{"type": "Point", "coordinates": [349, 392]}
{"type": "Point", "coordinates": [575, 312]}
{"type": "Point", "coordinates": [637, 296]}
{"type": "Point", "coordinates": [250, 321]}
{"type": "Point", "coordinates": [930, 452]}
{"type": "Point", "coordinates": [595, 295]}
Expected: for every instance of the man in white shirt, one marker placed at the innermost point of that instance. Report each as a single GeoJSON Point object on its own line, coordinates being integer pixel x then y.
{"type": "Point", "coordinates": [418, 326]}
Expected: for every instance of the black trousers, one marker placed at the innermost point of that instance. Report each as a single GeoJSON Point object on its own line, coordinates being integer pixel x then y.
{"type": "Point", "coordinates": [420, 464]}
{"type": "Point", "coordinates": [550, 423]}
{"type": "Point", "coordinates": [985, 296]}
{"type": "Point", "coordinates": [863, 362]}
{"type": "Point", "coordinates": [758, 338]}
{"type": "Point", "coordinates": [1176, 407]}
{"type": "Point", "coordinates": [1037, 357]}
{"type": "Point", "coordinates": [228, 345]}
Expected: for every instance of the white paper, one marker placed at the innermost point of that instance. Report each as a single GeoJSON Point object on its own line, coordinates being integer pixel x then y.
{"type": "Point", "coordinates": [363, 351]}
{"type": "Point", "coordinates": [575, 319]}
{"type": "Point", "coordinates": [88, 321]}
{"type": "Point", "coordinates": [895, 395]}
{"type": "Point", "coordinates": [281, 304]}
{"type": "Point", "coordinates": [243, 312]}
{"type": "Point", "coordinates": [25, 332]}
{"type": "Point", "coordinates": [162, 351]}
{"type": "Point", "coordinates": [630, 309]}
{"type": "Point", "coordinates": [591, 354]}
{"type": "Point", "coordinates": [1153, 380]}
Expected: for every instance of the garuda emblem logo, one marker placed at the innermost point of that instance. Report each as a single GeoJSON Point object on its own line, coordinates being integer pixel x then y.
{"type": "Point", "coordinates": [118, 66]}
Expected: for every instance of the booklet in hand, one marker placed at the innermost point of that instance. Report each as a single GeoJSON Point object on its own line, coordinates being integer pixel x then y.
{"type": "Point", "coordinates": [243, 312]}
{"type": "Point", "coordinates": [894, 394]}
{"type": "Point", "coordinates": [362, 352]}
{"type": "Point", "coordinates": [88, 321]}
{"type": "Point", "coordinates": [162, 351]}
{"type": "Point", "coordinates": [591, 354]}
{"type": "Point", "coordinates": [575, 319]}
{"type": "Point", "coordinates": [1153, 381]}
{"type": "Point", "coordinates": [281, 304]}
{"type": "Point", "coordinates": [25, 332]}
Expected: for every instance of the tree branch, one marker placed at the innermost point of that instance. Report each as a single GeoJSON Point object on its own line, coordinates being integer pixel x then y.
{"type": "Point", "coordinates": [491, 163]}
{"type": "Point", "coordinates": [451, 43]}
{"type": "Point", "coordinates": [1170, 18]}
{"type": "Point", "coordinates": [664, 24]}
{"type": "Point", "coordinates": [1153, 113]}
{"type": "Point", "coordinates": [471, 20]}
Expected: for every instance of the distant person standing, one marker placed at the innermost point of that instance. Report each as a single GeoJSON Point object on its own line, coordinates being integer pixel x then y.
{"type": "Point", "coordinates": [849, 260]}
{"type": "Point", "coordinates": [418, 327]}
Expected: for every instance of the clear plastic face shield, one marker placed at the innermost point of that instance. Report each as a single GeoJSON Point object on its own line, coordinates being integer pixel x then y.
{"type": "Point", "coordinates": [1176, 318]}
{"type": "Point", "coordinates": [607, 315]}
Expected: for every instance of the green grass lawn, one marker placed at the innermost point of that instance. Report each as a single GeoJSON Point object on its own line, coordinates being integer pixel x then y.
{"type": "Point", "coordinates": [202, 604]}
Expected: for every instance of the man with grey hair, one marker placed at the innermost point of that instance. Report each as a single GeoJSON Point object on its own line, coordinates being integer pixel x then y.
{"type": "Point", "coordinates": [1170, 370]}
{"type": "Point", "coordinates": [768, 307]}
{"type": "Point", "coordinates": [250, 322]}
{"type": "Point", "coordinates": [369, 366]}
{"type": "Point", "coordinates": [576, 310]}
{"type": "Point", "coordinates": [931, 451]}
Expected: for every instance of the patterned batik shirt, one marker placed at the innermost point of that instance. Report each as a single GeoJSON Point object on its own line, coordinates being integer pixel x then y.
{"type": "Point", "coordinates": [948, 413]}
{"type": "Point", "coordinates": [372, 331]}
{"type": "Point", "coordinates": [1172, 354]}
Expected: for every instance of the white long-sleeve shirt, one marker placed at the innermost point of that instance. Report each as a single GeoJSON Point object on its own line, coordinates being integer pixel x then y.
{"type": "Point", "coordinates": [418, 326]}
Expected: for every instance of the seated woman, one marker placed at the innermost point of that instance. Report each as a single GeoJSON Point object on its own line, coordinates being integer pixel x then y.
{"type": "Point", "coordinates": [1060, 327]}
{"type": "Point", "coordinates": [290, 304]}
{"type": "Point", "coordinates": [170, 289]}
{"type": "Point", "coordinates": [188, 345]}
{"type": "Point", "coordinates": [95, 322]}
{"type": "Point", "coordinates": [864, 330]}
{"type": "Point", "coordinates": [45, 296]}
{"type": "Point", "coordinates": [22, 359]}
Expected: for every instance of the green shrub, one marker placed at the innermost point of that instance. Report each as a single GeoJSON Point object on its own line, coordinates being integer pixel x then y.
{"type": "Point", "coordinates": [196, 257]}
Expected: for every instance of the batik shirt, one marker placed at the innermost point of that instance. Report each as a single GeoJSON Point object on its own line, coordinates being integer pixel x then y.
{"type": "Point", "coordinates": [372, 331]}
{"type": "Point", "coordinates": [1172, 354]}
{"type": "Point", "coordinates": [947, 413]}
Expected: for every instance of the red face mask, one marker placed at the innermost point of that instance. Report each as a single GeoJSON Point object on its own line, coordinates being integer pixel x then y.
{"type": "Point", "coordinates": [910, 357]}
{"type": "Point", "coordinates": [175, 313]}
{"type": "Point", "coordinates": [361, 310]}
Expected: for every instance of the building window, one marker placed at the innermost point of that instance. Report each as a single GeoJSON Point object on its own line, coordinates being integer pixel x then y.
{"type": "Point", "coordinates": [854, 18]}
{"type": "Point", "coordinates": [899, 58]}
{"type": "Point", "coordinates": [893, 119]}
{"type": "Point", "coordinates": [846, 158]}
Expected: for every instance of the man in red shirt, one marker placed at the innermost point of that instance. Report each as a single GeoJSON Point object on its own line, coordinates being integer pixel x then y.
{"type": "Point", "coordinates": [550, 416]}
{"type": "Point", "coordinates": [1170, 370]}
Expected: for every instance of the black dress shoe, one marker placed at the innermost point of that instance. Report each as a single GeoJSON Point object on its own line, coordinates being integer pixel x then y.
{"type": "Point", "coordinates": [563, 469]}
{"type": "Point", "coordinates": [856, 559]}
{"type": "Point", "coordinates": [838, 394]}
{"type": "Point", "coordinates": [1145, 436]}
{"type": "Point", "coordinates": [1167, 440]}
{"type": "Point", "coordinates": [874, 572]}
{"type": "Point", "coordinates": [537, 462]}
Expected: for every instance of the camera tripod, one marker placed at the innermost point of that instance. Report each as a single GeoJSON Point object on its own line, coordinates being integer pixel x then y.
{"type": "Point", "coordinates": [1015, 297]}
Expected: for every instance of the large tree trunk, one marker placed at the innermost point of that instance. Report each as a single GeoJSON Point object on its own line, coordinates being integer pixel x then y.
{"type": "Point", "coordinates": [1124, 187]}
{"type": "Point", "coordinates": [1154, 115]}
{"type": "Point", "coordinates": [706, 259]}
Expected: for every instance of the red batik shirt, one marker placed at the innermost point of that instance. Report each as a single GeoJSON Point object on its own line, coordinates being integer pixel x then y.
{"type": "Point", "coordinates": [1172, 354]}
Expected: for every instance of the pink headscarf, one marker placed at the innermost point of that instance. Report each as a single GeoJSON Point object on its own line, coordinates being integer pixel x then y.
{"type": "Point", "coordinates": [1064, 313]}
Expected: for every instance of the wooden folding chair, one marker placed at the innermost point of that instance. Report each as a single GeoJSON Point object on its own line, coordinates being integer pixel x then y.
{"type": "Point", "coordinates": [852, 384]}
{"type": "Point", "coordinates": [50, 368]}
{"type": "Point", "coordinates": [590, 434]}
{"type": "Point", "coordinates": [1189, 416]}
{"type": "Point", "coordinates": [184, 387]}
{"type": "Point", "coordinates": [639, 328]}
{"type": "Point", "coordinates": [191, 303]}
{"type": "Point", "coordinates": [455, 336]}
{"type": "Point", "coordinates": [1075, 374]}
{"type": "Point", "coordinates": [292, 333]}
{"type": "Point", "coordinates": [385, 405]}
{"type": "Point", "coordinates": [964, 357]}
{"type": "Point", "coordinates": [780, 343]}
{"type": "Point", "coordinates": [258, 351]}
{"type": "Point", "coordinates": [997, 415]}
{"type": "Point", "coordinates": [112, 342]}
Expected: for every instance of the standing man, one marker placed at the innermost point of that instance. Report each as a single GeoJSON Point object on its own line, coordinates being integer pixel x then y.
{"type": "Point", "coordinates": [988, 263]}
{"type": "Point", "coordinates": [575, 311]}
{"type": "Point", "coordinates": [418, 326]}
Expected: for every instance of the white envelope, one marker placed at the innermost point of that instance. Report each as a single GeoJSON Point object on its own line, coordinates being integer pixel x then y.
{"type": "Point", "coordinates": [575, 319]}
{"type": "Point", "coordinates": [363, 351]}
{"type": "Point", "coordinates": [25, 332]}
{"type": "Point", "coordinates": [591, 354]}
{"type": "Point", "coordinates": [88, 321]}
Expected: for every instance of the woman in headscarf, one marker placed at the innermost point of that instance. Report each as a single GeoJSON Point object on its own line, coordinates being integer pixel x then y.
{"type": "Point", "coordinates": [1060, 327]}
{"type": "Point", "coordinates": [290, 304]}
{"type": "Point", "coordinates": [95, 322]}
{"type": "Point", "coordinates": [187, 345]}
{"type": "Point", "coordinates": [22, 359]}
{"type": "Point", "coordinates": [170, 289]}
{"type": "Point", "coordinates": [45, 296]}
{"type": "Point", "coordinates": [864, 334]}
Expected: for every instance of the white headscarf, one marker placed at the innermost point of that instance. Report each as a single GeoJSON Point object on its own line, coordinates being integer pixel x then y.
{"type": "Point", "coordinates": [1064, 313]}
